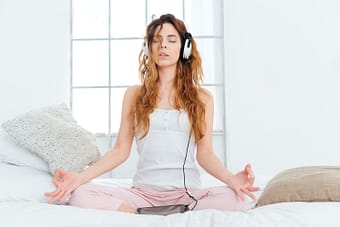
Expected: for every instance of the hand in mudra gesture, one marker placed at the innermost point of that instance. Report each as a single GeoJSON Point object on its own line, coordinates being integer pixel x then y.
{"type": "Point", "coordinates": [243, 183]}
{"type": "Point", "coordinates": [65, 183]}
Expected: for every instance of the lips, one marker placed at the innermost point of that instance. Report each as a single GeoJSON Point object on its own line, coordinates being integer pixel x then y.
{"type": "Point", "coordinates": [163, 55]}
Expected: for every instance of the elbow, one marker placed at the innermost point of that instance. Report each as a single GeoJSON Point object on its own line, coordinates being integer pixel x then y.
{"type": "Point", "coordinates": [204, 157]}
{"type": "Point", "coordinates": [125, 156]}
{"type": "Point", "coordinates": [200, 159]}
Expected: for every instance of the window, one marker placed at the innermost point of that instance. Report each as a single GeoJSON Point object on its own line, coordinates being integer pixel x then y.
{"type": "Point", "coordinates": [106, 38]}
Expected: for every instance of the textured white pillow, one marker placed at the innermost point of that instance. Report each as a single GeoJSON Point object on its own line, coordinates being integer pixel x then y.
{"type": "Point", "coordinates": [11, 152]}
{"type": "Point", "coordinates": [53, 134]}
{"type": "Point", "coordinates": [20, 183]}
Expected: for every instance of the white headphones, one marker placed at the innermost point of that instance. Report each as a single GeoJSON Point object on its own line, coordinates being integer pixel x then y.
{"type": "Point", "coordinates": [185, 50]}
{"type": "Point", "coordinates": [146, 48]}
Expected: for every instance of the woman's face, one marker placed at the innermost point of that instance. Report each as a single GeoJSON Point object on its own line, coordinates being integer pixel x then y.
{"type": "Point", "coordinates": [166, 46]}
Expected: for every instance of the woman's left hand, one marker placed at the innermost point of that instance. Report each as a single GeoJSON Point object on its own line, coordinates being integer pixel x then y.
{"type": "Point", "coordinates": [243, 183]}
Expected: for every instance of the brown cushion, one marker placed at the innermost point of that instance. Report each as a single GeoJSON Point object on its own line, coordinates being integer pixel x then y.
{"type": "Point", "coordinates": [305, 184]}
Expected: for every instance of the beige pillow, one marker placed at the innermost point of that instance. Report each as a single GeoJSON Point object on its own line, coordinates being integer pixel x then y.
{"type": "Point", "coordinates": [303, 184]}
{"type": "Point", "coordinates": [53, 134]}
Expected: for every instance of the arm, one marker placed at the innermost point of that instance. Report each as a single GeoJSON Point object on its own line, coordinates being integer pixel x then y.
{"type": "Point", "coordinates": [66, 182]}
{"type": "Point", "coordinates": [121, 150]}
{"type": "Point", "coordinates": [241, 182]}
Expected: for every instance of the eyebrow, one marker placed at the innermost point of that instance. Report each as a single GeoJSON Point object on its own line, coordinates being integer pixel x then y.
{"type": "Point", "coordinates": [168, 36]}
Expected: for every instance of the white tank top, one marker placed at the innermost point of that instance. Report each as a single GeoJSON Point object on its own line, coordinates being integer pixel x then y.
{"type": "Point", "coordinates": [162, 153]}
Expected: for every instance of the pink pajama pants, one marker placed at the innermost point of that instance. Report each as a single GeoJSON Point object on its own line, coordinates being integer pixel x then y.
{"type": "Point", "coordinates": [111, 198]}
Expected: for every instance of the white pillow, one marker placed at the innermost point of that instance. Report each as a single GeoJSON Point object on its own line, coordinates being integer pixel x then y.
{"type": "Point", "coordinates": [11, 152]}
{"type": "Point", "coordinates": [20, 183]}
{"type": "Point", "coordinates": [53, 134]}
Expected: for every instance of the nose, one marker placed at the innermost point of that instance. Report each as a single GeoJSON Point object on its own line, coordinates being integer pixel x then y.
{"type": "Point", "coordinates": [163, 44]}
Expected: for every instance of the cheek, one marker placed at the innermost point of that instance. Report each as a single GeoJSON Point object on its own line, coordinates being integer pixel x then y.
{"type": "Point", "coordinates": [154, 47]}
{"type": "Point", "coordinates": [177, 53]}
{"type": "Point", "coordinates": [177, 50]}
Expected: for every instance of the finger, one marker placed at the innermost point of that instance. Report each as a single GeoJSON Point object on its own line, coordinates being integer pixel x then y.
{"type": "Point", "coordinates": [57, 172]}
{"type": "Point", "coordinates": [53, 200]}
{"type": "Point", "coordinates": [61, 172]}
{"type": "Point", "coordinates": [55, 179]}
{"type": "Point", "coordinates": [56, 197]}
{"type": "Point", "coordinates": [251, 178]}
{"type": "Point", "coordinates": [248, 193]}
{"type": "Point", "coordinates": [240, 194]}
{"type": "Point", "coordinates": [63, 198]}
{"type": "Point", "coordinates": [248, 167]}
{"type": "Point", "coordinates": [248, 170]}
{"type": "Point", "coordinates": [50, 194]}
{"type": "Point", "coordinates": [254, 189]}
{"type": "Point", "coordinates": [55, 193]}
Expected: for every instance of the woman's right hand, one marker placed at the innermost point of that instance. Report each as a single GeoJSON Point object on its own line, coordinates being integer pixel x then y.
{"type": "Point", "coordinates": [65, 183]}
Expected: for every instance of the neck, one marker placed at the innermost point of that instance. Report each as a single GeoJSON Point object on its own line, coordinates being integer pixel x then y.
{"type": "Point", "coordinates": [167, 77]}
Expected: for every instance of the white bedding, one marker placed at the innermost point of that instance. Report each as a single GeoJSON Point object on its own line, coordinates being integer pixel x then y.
{"type": "Point", "coordinates": [31, 210]}
{"type": "Point", "coordinates": [33, 214]}
{"type": "Point", "coordinates": [22, 203]}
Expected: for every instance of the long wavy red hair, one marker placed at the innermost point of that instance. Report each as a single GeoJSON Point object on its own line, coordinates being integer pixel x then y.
{"type": "Point", "coordinates": [187, 82]}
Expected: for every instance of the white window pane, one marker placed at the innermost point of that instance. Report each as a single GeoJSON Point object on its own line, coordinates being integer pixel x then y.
{"type": "Point", "coordinates": [160, 7]}
{"type": "Point", "coordinates": [90, 19]}
{"type": "Point", "coordinates": [91, 109]}
{"type": "Point", "coordinates": [218, 144]}
{"type": "Point", "coordinates": [90, 63]}
{"type": "Point", "coordinates": [218, 95]}
{"type": "Point", "coordinates": [212, 59]}
{"type": "Point", "coordinates": [117, 95]}
{"type": "Point", "coordinates": [204, 17]}
{"type": "Point", "coordinates": [90, 59]}
{"type": "Point", "coordinates": [121, 23]}
{"type": "Point", "coordinates": [124, 62]}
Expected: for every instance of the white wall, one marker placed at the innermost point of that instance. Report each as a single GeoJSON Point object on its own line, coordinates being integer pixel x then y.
{"type": "Point", "coordinates": [283, 81]}
{"type": "Point", "coordinates": [34, 55]}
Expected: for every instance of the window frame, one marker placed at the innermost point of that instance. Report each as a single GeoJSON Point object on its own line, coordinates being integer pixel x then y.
{"type": "Point", "coordinates": [111, 135]}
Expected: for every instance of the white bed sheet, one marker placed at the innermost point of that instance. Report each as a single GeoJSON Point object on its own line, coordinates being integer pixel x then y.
{"type": "Point", "coordinates": [33, 214]}
{"type": "Point", "coordinates": [18, 208]}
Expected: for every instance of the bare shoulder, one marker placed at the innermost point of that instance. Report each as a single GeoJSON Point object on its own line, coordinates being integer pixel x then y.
{"type": "Point", "coordinates": [133, 91]}
{"type": "Point", "coordinates": [130, 97]}
{"type": "Point", "coordinates": [205, 96]}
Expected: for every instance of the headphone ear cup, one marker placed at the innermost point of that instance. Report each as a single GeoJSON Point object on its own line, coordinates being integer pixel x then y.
{"type": "Point", "coordinates": [187, 49]}
{"type": "Point", "coordinates": [146, 48]}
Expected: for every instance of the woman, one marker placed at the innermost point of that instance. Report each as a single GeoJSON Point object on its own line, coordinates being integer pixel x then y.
{"type": "Point", "coordinates": [171, 117]}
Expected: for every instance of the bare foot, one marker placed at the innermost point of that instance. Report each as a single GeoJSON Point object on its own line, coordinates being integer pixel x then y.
{"type": "Point", "coordinates": [127, 208]}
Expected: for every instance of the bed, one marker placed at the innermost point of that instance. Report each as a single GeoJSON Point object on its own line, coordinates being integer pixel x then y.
{"type": "Point", "coordinates": [24, 205]}
{"type": "Point", "coordinates": [305, 196]}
